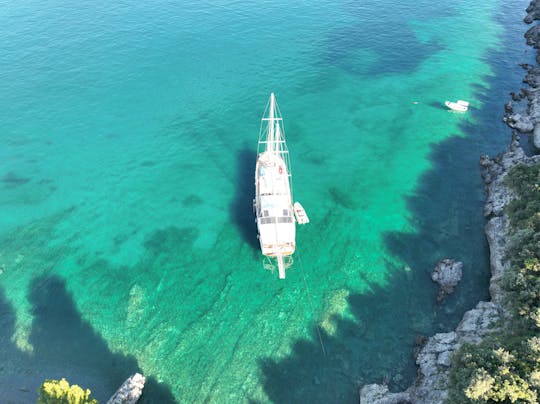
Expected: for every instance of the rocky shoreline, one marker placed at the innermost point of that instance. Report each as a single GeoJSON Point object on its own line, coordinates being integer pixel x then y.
{"type": "Point", "coordinates": [528, 121]}
{"type": "Point", "coordinates": [434, 358]}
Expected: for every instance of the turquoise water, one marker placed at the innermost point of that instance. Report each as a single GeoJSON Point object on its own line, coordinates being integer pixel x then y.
{"type": "Point", "coordinates": [129, 134]}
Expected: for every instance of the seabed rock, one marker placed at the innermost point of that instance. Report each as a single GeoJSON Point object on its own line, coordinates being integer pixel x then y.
{"type": "Point", "coordinates": [447, 274]}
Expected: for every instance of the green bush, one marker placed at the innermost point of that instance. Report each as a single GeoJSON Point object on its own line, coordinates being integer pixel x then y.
{"type": "Point", "coordinates": [522, 282]}
{"type": "Point", "coordinates": [503, 369]}
{"type": "Point", "coordinates": [60, 392]}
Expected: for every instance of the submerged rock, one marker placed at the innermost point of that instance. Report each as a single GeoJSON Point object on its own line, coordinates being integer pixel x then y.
{"type": "Point", "coordinates": [447, 275]}
{"type": "Point", "coordinates": [517, 96]}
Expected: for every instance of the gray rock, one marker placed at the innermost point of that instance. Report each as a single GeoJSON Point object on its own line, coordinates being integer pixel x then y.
{"type": "Point", "coordinates": [536, 136]}
{"type": "Point", "coordinates": [531, 7]}
{"type": "Point", "coordinates": [379, 394]}
{"type": "Point", "coordinates": [444, 359]}
{"type": "Point", "coordinates": [494, 171]}
{"type": "Point", "coordinates": [532, 36]}
{"type": "Point", "coordinates": [533, 13]}
{"type": "Point", "coordinates": [478, 322]}
{"type": "Point", "coordinates": [519, 122]}
{"type": "Point", "coordinates": [447, 274]}
{"type": "Point", "coordinates": [130, 391]}
{"type": "Point", "coordinates": [533, 77]}
{"type": "Point", "coordinates": [533, 105]}
{"type": "Point", "coordinates": [496, 230]}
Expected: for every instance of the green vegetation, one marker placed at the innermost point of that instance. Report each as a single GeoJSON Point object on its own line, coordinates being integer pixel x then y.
{"type": "Point", "coordinates": [505, 368]}
{"type": "Point", "coordinates": [60, 392]}
{"type": "Point", "coordinates": [523, 281]}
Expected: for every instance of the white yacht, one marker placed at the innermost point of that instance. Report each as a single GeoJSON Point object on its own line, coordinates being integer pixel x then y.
{"type": "Point", "coordinates": [273, 190]}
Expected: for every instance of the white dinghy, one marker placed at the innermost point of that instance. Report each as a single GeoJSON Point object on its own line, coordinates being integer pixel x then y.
{"type": "Point", "coordinates": [460, 105]}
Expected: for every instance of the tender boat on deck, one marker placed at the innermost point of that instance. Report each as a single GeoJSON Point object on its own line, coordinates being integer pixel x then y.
{"type": "Point", "coordinates": [300, 214]}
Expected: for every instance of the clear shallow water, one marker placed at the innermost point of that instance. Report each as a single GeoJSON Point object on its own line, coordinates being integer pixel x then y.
{"type": "Point", "coordinates": [128, 143]}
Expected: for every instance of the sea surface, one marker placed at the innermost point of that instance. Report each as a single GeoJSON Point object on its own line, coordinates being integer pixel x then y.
{"type": "Point", "coordinates": [128, 138]}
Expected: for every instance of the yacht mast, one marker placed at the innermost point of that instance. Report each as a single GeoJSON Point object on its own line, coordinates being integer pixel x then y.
{"type": "Point", "coordinates": [270, 146]}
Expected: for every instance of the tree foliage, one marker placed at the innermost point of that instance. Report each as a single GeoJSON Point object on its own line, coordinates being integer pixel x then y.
{"type": "Point", "coordinates": [522, 282]}
{"type": "Point", "coordinates": [60, 392]}
{"type": "Point", "coordinates": [502, 369]}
